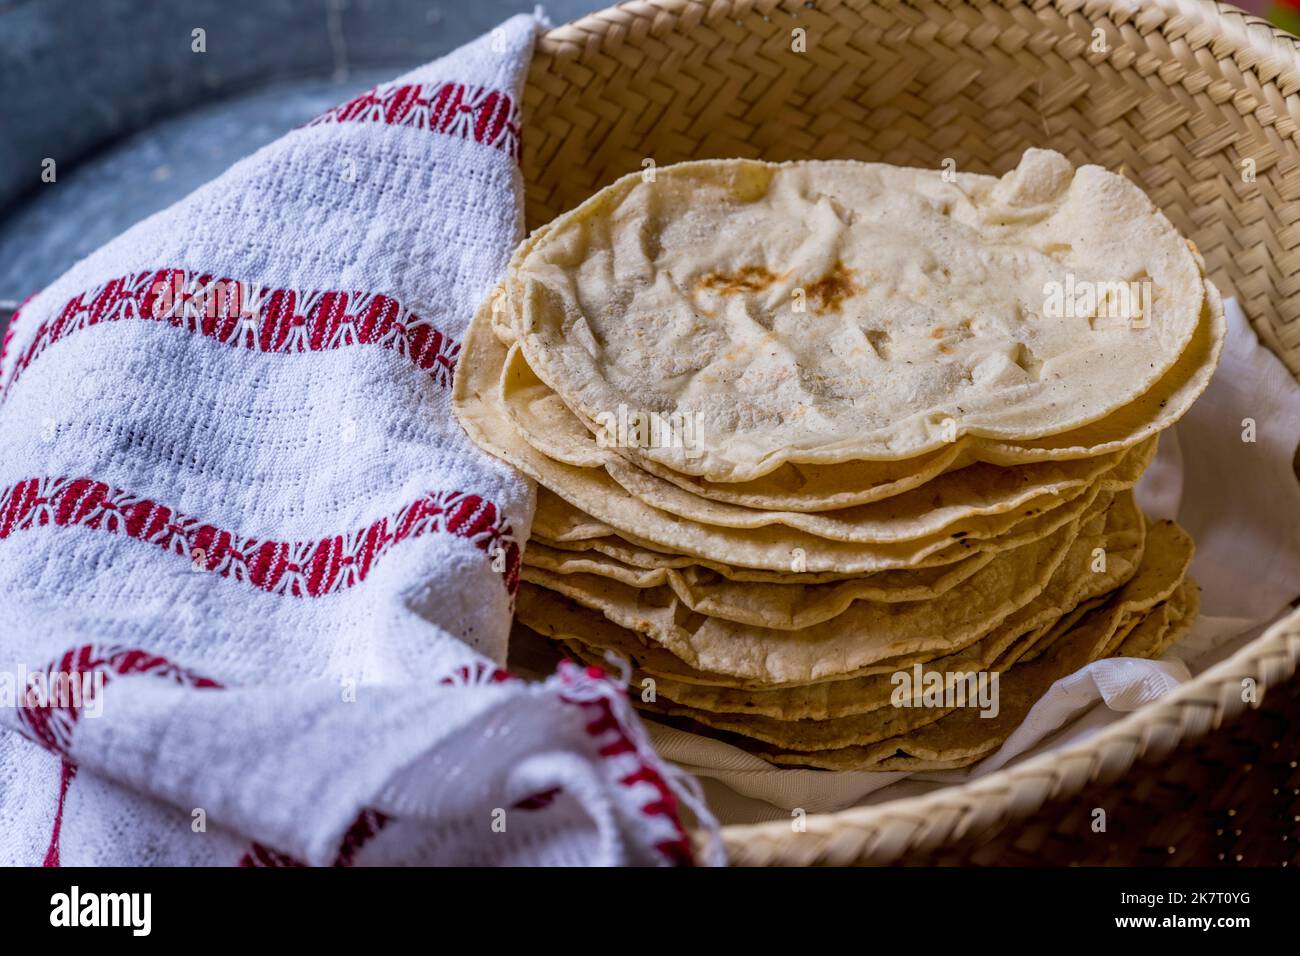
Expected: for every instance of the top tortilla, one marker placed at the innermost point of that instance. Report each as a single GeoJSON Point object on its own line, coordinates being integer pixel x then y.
{"type": "Point", "coordinates": [823, 312]}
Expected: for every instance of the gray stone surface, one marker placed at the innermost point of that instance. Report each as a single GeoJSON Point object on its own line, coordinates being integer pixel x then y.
{"type": "Point", "coordinates": [111, 90]}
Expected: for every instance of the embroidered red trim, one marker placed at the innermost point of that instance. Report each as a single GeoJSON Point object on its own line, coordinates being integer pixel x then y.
{"type": "Point", "coordinates": [51, 720]}
{"type": "Point", "coordinates": [483, 115]}
{"type": "Point", "coordinates": [50, 723]}
{"type": "Point", "coordinates": [605, 727]}
{"type": "Point", "coordinates": [261, 855]}
{"type": "Point", "coordinates": [291, 568]}
{"type": "Point", "coordinates": [67, 774]}
{"type": "Point", "coordinates": [243, 315]}
{"type": "Point", "coordinates": [50, 717]}
{"type": "Point", "coordinates": [473, 675]}
{"type": "Point", "coordinates": [9, 334]}
{"type": "Point", "coordinates": [364, 829]}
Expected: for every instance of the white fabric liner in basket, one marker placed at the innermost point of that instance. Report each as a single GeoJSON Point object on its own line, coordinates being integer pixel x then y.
{"type": "Point", "coordinates": [1241, 503]}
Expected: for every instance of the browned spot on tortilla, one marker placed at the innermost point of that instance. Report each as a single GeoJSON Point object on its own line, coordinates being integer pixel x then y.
{"type": "Point", "coordinates": [747, 279]}
{"type": "Point", "coordinates": [829, 292]}
{"type": "Point", "coordinates": [937, 333]}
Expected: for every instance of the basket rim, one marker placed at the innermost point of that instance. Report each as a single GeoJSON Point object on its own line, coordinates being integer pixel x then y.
{"type": "Point", "coordinates": [947, 813]}
{"type": "Point", "coordinates": [1261, 54]}
{"type": "Point", "coordinates": [1254, 43]}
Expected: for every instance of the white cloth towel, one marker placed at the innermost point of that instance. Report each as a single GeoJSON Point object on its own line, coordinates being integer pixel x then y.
{"type": "Point", "coordinates": [237, 511]}
{"type": "Point", "coordinates": [1225, 473]}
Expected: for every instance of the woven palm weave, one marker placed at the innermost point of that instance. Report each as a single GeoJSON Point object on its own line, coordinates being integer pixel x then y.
{"type": "Point", "coordinates": [1196, 102]}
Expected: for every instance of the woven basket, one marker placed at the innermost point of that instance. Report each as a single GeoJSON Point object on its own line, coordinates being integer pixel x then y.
{"type": "Point", "coordinates": [1184, 96]}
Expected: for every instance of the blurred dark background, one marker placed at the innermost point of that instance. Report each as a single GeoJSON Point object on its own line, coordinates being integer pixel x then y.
{"type": "Point", "coordinates": [134, 118]}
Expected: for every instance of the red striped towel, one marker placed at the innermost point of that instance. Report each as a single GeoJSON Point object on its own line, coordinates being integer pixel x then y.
{"type": "Point", "coordinates": [256, 582]}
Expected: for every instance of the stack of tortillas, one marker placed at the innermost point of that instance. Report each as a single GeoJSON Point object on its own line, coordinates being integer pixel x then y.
{"type": "Point", "coordinates": [810, 434]}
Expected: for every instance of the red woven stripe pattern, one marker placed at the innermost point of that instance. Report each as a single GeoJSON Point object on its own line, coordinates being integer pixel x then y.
{"type": "Point", "coordinates": [292, 568]}
{"type": "Point", "coordinates": [470, 112]}
{"type": "Point", "coordinates": [243, 315]}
